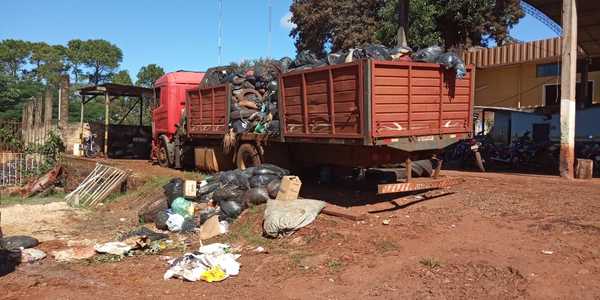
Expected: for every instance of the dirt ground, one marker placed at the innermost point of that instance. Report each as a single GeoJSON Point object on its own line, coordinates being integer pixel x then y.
{"type": "Point", "coordinates": [497, 236]}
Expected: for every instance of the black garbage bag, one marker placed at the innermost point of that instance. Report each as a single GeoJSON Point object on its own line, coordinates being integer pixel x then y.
{"type": "Point", "coordinates": [218, 75]}
{"type": "Point", "coordinates": [273, 188]}
{"type": "Point", "coordinates": [174, 189]}
{"type": "Point", "coordinates": [248, 172]}
{"type": "Point", "coordinates": [230, 210]}
{"type": "Point", "coordinates": [450, 60]}
{"type": "Point", "coordinates": [189, 225]}
{"type": "Point", "coordinates": [262, 180]}
{"type": "Point", "coordinates": [240, 126]}
{"type": "Point", "coordinates": [209, 188]}
{"type": "Point", "coordinates": [160, 221]}
{"type": "Point", "coordinates": [144, 231]}
{"type": "Point", "coordinates": [337, 57]}
{"type": "Point", "coordinates": [429, 54]}
{"type": "Point", "coordinates": [204, 198]}
{"type": "Point", "coordinates": [286, 63]}
{"type": "Point", "coordinates": [378, 52]}
{"type": "Point", "coordinates": [9, 259]}
{"type": "Point", "coordinates": [270, 169]}
{"type": "Point", "coordinates": [306, 58]}
{"type": "Point", "coordinates": [255, 196]}
{"type": "Point", "coordinates": [235, 178]}
{"type": "Point", "coordinates": [228, 193]}
{"type": "Point", "coordinates": [18, 241]}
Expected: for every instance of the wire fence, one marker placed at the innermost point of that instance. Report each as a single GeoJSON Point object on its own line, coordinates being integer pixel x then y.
{"type": "Point", "coordinates": [16, 168]}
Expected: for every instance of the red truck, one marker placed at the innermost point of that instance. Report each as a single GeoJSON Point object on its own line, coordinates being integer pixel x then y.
{"type": "Point", "coordinates": [367, 113]}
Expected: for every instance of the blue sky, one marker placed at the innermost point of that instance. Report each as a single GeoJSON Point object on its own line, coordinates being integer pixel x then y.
{"type": "Point", "coordinates": [175, 34]}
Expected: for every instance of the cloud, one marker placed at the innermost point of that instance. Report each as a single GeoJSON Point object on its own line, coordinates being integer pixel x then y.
{"type": "Point", "coordinates": [286, 22]}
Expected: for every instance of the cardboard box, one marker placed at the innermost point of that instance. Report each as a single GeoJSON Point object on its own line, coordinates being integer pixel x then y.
{"type": "Point", "coordinates": [190, 188]}
{"type": "Point", "coordinates": [289, 189]}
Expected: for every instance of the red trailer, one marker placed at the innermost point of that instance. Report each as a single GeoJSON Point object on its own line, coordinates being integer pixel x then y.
{"type": "Point", "coordinates": [367, 113]}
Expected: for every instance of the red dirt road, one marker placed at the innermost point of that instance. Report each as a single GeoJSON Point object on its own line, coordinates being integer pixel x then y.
{"type": "Point", "coordinates": [497, 237]}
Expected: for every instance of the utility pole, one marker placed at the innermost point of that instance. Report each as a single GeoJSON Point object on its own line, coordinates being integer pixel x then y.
{"type": "Point", "coordinates": [269, 41]}
{"type": "Point", "coordinates": [220, 33]}
{"type": "Point", "coordinates": [402, 36]}
{"type": "Point", "coordinates": [568, 87]}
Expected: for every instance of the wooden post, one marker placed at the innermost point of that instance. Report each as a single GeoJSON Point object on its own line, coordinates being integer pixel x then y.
{"type": "Point", "coordinates": [141, 111]}
{"type": "Point", "coordinates": [64, 102]}
{"type": "Point", "coordinates": [106, 122]}
{"type": "Point", "coordinates": [568, 87]}
{"type": "Point", "coordinates": [24, 123]}
{"type": "Point", "coordinates": [38, 120]}
{"type": "Point", "coordinates": [81, 119]}
{"type": "Point", "coordinates": [30, 120]}
{"type": "Point", "coordinates": [402, 36]}
{"type": "Point", "coordinates": [47, 112]}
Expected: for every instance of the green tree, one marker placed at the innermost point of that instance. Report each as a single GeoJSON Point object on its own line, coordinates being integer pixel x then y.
{"type": "Point", "coordinates": [75, 56]}
{"type": "Point", "coordinates": [148, 75]}
{"type": "Point", "coordinates": [49, 62]}
{"type": "Point", "coordinates": [457, 24]}
{"type": "Point", "coordinates": [323, 25]}
{"type": "Point", "coordinates": [14, 92]}
{"type": "Point", "coordinates": [13, 55]}
{"type": "Point", "coordinates": [121, 77]}
{"type": "Point", "coordinates": [422, 29]}
{"type": "Point", "coordinates": [101, 58]}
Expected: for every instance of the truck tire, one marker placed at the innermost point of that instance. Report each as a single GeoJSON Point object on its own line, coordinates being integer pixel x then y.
{"type": "Point", "coordinates": [247, 156]}
{"type": "Point", "coordinates": [163, 155]}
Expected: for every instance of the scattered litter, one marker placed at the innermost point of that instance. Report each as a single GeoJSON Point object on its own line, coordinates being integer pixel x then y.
{"type": "Point", "coordinates": [260, 249]}
{"type": "Point", "coordinates": [386, 222]}
{"type": "Point", "coordinates": [210, 263]}
{"type": "Point", "coordinates": [31, 255]}
{"type": "Point", "coordinates": [282, 217]}
{"type": "Point", "coordinates": [116, 248]}
{"type": "Point", "coordinates": [74, 253]}
{"type": "Point", "coordinates": [17, 242]}
{"type": "Point", "coordinates": [547, 252]}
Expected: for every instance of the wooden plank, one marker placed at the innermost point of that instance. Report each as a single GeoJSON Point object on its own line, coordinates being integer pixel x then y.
{"type": "Point", "coordinates": [345, 213]}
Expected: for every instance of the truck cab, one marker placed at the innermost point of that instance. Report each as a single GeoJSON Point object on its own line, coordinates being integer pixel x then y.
{"type": "Point", "coordinates": [170, 94]}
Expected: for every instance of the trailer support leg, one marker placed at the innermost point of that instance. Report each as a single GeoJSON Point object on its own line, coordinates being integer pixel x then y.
{"type": "Point", "coordinates": [408, 170]}
{"type": "Point", "coordinates": [438, 167]}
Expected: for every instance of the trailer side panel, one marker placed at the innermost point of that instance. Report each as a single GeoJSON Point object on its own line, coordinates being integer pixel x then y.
{"type": "Point", "coordinates": [208, 110]}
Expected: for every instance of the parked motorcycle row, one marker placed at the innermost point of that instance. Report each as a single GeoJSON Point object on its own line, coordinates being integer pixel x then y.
{"type": "Point", "coordinates": [523, 154]}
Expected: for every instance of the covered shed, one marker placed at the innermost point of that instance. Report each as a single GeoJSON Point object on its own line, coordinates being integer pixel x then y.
{"type": "Point", "coordinates": [111, 91]}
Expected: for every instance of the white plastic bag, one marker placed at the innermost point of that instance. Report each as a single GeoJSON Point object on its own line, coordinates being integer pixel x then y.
{"type": "Point", "coordinates": [285, 216]}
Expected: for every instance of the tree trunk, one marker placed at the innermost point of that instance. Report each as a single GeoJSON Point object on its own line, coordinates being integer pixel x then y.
{"type": "Point", "coordinates": [402, 35]}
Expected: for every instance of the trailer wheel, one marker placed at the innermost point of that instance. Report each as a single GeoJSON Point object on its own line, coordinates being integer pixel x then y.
{"type": "Point", "coordinates": [163, 155]}
{"type": "Point", "coordinates": [247, 156]}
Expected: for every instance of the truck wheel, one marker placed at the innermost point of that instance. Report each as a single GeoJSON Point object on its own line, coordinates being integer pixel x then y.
{"type": "Point", "coordinates": [163, 155]}
{"type": "Point", "coordinates": [247, 156]}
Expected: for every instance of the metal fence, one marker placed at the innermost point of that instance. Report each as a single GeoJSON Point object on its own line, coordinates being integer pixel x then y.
{"type": "Point", "coordinates": [15, 168]}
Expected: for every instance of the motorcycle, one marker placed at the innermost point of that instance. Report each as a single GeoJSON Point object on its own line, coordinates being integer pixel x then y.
{"type": "Point", "coordinates": [466, 151]}
{"type": "Point", "coordinates": [90, 148]}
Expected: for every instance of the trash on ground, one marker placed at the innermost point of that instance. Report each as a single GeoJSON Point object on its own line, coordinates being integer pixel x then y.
{"type": "Point", "coordinates": [289, 188]}
{"type": "Point", "coordinates": [116, 248]}
{"type": "Point", "coordinates": [547, 252]}
{"type": "Point", "coordinates": [284, 217]}
{"type": "Point", "coordinates": [386, 222]}
{"type": "Point", "coordinates": [16, 242]}
{"type": "Point", "coordinates": [74, 253]}
{"type": "Point", "coordinates": [31, 255]}
{"type": "Point", "coordinates": [211, 263]}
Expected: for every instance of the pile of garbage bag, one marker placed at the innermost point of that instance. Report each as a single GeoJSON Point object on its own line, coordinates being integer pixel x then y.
{"type": "Point", "coordinates": [449, 60]}
{"type": "Point", "coordinates": [225, 195]}
{"type": "Point", "coordinates": [253, 94]}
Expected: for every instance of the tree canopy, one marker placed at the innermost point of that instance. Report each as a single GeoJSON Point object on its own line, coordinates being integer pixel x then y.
{"type": "Point", "coordinates": [323, 25]}
{"type": "Point", "coordinates": [148, 75]}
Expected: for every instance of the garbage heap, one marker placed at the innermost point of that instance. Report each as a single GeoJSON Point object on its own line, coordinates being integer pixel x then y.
{"type": "Point", "coordinates": [220, 198]}
{"type": "Point", "coordinates": [253, 94]}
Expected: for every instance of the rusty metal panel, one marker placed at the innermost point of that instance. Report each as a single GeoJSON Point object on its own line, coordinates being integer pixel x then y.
{"type": "Point", "coordinates": [208, 110]}
{"type": "Point", "coordinates": [323, 102]}
{"type": "Point", "coordinates": [514, 53]}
